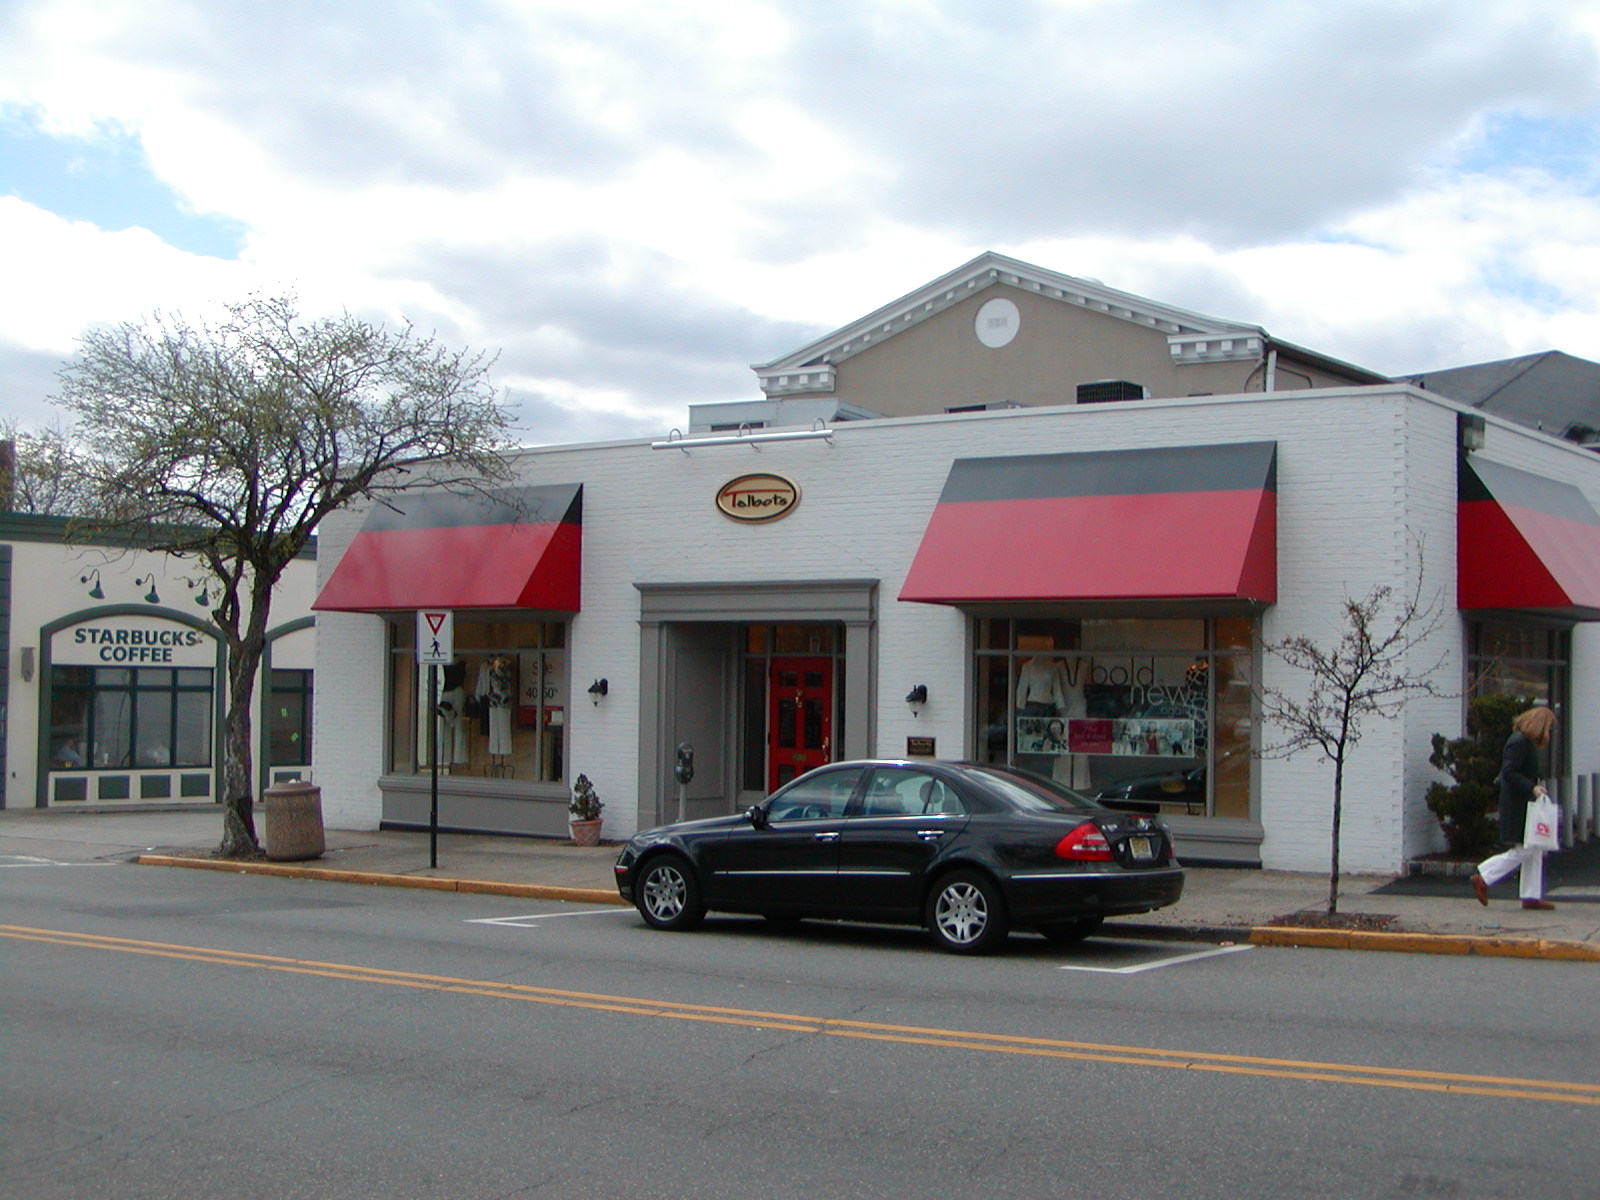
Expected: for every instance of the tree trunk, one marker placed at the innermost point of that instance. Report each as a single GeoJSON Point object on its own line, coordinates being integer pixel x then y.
{"type": "Point", "coordinates": [238, 792]}
{"type": "Point", "coordinates": [1338, 816]}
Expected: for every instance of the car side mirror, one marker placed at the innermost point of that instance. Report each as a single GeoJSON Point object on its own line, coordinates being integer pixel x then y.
{"type": "Point", "coordinates": [757, 815]}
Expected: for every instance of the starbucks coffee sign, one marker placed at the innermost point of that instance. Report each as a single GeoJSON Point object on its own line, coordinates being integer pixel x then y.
{"type": "Point", "coordinates": [759, 497]}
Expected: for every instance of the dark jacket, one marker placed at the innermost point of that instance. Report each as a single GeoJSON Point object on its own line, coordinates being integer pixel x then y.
{"type": "Point", "coordinates": [1519, 772]}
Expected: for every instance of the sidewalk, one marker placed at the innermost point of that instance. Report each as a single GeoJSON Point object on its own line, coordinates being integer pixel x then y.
{"type": "Point", "coordinates": [1431, 915]}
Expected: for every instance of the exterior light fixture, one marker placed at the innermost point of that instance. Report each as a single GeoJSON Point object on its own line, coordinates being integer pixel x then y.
{"type": "Point", "coordinates": [1472, 429]}
{"type": "Point", "coordinates": [27, 664]}
{"type": "Point", "coordinates": [916, 698]}
{"type": "Point", "coordinates": [96, 592]}
{"type": "Point", "coordinates": [600, 687]}
{"type": "Point", "coordinates": [152, 596]}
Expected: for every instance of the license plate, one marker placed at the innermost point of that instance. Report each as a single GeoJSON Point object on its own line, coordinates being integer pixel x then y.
{"type": "Point", "coordinates": [1140, 848]}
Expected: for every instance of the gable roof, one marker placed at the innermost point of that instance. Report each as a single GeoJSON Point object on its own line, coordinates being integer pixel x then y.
{"type": "Point", "coordinates": [1191, 337]}
{"type": "Point", "coordinates": [1553, 391]}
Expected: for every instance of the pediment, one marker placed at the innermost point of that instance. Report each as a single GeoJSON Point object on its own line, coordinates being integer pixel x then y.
{"type": "Point", "coordinates": [1191, 337]}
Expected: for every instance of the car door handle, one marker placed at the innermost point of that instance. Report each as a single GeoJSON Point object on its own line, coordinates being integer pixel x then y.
{"type": "Point", "coordinates": [930, 835]}
{"type": "Point", "coordinates": [826, 837]}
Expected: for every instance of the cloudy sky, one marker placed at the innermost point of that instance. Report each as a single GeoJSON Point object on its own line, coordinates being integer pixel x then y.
{"type": "Point", "coordinates": [632, 200]}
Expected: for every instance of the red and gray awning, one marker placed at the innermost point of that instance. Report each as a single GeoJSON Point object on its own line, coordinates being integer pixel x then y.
{"type": "Point", "coordinates": [1172, 523]}
{"type": "Point", "coordinates": [1524, 541]}
{"type": "Point", "coordinates": [514, 549]}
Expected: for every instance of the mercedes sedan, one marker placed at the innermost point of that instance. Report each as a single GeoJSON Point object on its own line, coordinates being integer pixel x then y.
{"type": "Point", "coordinates": [967, 850]}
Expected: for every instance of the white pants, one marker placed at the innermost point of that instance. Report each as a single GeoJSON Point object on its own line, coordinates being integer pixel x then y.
{"type": "Point", "coordinates": [1530, 859]}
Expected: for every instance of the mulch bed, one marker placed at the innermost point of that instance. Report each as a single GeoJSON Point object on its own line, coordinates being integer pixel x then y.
{"type": "Point", "coordinates": [1357, 922]}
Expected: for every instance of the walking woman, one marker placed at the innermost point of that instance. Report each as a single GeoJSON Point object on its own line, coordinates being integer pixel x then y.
{"type": "Point", "coordinates": [1519, 783]}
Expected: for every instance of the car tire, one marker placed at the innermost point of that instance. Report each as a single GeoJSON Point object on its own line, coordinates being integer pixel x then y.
{"type": "Point", "coordinates": [1071, 931]}
{"type": "Point", "coordinates": [669, 895]}
{"type": "Point", "coordinates": [966, 914]}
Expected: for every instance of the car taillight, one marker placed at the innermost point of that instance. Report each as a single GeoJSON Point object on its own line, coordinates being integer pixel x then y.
{"type": "Point", "coordinates": [1085, 844]}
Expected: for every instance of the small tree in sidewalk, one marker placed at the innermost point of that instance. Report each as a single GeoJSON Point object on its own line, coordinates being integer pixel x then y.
{"type": "Point", "coordinates": [1364, 674]}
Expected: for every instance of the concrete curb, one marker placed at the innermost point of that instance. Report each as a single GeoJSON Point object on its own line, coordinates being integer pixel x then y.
{"type": "Point", "coordinates": [1260, 935]}
{"type": "Point", "coordinates": [1426, 943]}
{"type": "Point", "coordinates": [528, 891]}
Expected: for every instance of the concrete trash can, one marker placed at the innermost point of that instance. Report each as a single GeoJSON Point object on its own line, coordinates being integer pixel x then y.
{"type": "Point", "coordinates": [293, 822]}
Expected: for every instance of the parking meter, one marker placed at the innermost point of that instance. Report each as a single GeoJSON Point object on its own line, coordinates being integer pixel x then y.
{"type": "Point", "coordinates": [683, 772]}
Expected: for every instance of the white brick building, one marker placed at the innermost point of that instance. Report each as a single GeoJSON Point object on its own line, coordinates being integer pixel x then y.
{"type": "Point", "coordinates": [773, 645]}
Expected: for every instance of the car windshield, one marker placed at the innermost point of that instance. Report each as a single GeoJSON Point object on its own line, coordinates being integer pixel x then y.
{"type": "Point", "coordinates": [1030, 791]}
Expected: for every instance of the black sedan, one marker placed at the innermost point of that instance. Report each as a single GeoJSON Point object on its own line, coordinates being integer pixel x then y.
{"type": "Point", "coordinates": [968, 850]}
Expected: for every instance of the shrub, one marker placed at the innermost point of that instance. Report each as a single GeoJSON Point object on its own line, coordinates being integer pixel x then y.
{"type": "Point", "coordinates": [1473, 761]}
{"type": "Point", "coordinates": [585, 805]}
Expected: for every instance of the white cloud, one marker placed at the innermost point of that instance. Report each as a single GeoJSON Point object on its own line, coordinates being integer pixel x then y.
{"type": "Point", "coordinates": [633, 200]}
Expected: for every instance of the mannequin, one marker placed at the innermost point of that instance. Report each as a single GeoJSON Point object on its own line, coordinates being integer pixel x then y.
{"type": "Point", "coordinates": [496, 688]}
{"type": "Point", "coordinates": [454, 730]}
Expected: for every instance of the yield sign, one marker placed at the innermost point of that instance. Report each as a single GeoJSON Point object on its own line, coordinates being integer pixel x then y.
{"type": "Point", "coordinates": [436, 636]}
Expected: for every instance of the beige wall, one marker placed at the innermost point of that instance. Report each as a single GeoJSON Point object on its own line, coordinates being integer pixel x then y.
{"type": "Point", "coordinates": [940, 364]}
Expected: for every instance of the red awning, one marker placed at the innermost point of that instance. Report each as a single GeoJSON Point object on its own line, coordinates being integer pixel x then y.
{"type": "Point", "coordinates": [1188, 522]}
{"type": "Point", "coordinates": [1524, 541]}
{"type": "Point", "coordinates": [516, 549]}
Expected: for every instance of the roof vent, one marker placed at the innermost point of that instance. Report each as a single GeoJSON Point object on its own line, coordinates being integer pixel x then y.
{"type": "Point", "coordinates": [1104, 391]}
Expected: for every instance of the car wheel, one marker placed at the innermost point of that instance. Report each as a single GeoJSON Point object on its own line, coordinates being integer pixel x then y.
{"type": "Point", "coordinates": [1072, 931]}
{"type": "Point", "coordinates": [669, 897]}
{"type": "Point", "coordinates": [966, 913]}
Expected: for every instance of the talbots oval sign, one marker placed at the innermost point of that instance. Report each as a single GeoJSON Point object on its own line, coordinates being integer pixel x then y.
{"type": "Point", "coordinates": [759, 497]}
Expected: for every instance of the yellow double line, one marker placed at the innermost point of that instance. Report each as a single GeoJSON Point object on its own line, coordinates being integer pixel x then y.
{"type": "Point", "coordinates": [1508, 1088]}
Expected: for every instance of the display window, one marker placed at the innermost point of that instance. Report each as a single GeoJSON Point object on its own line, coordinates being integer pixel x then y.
{"type": "Point", "coordinates": [1524, 658]}
{"type": "Point", "coordinates": [120, 718]}
{"type": "Point", "coordinates": [1148, 709]}
{"type": "Point", "coordinates": [502, 704]}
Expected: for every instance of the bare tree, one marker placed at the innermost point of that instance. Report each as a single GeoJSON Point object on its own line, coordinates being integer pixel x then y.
{"type": "Point", "coordinates": [229, 442]}
{"type": "Point", "coordinates": [42, 474]}
{"type": "Point", "coordinates": [1366, 673]}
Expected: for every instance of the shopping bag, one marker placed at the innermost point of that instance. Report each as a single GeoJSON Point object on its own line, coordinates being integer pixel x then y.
{"type": "Point", "coordinates": [1543, 820]}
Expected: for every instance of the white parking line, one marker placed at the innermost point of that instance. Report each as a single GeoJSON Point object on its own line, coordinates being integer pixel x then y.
{"type": "Point", "coordinates": [1165, 962]}
{"type": "Point", "coordinates": [534, 918]}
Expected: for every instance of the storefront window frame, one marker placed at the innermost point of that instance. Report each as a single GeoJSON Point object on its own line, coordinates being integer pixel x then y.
{"type": "Point", "coordinates": [406, 685]}
{"type": "Point", "coordinates": [995, 641]}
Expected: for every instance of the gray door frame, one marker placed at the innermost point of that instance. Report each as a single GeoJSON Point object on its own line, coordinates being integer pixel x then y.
{"type": "Point", "coordinates": [850, 602]}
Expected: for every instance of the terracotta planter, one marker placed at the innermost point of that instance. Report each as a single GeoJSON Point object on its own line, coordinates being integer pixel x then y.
{"type": "Point", "coordinates": [585, 833]}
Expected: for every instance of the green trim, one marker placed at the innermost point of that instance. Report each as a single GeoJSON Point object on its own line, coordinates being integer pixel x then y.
{"type": "Point", "coordinates": [35, 527]}
{"type": "Point", "coordinates": [264, 778]}
{"type": "Point", "coordinates": [47, 632]}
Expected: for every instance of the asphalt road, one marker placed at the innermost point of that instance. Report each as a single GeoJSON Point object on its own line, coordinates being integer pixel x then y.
{"type": "Point", "coordinates": [180, 1034]}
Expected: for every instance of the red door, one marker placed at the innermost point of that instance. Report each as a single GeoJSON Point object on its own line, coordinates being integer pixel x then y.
{"type": "Point", "coordinates": [799, 717]}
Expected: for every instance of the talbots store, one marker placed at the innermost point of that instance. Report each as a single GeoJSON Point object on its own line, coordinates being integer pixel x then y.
{"type": "Point", "coordinates": [1047, 587]}
{"type": "Point", "coordinates": [1012, 516]}
{"type": "Point", "coordinates": [115, 683]}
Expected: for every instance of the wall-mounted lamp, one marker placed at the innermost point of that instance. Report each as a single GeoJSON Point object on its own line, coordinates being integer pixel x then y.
{"type": "Point", "coordinates": [916, 698]}
{"type": "Point", "coordinates": [1472, 429]}
{"type": "Point", "coordinates": [600, 687]}
{"type": "Point", "coordinates": [96, 592]}
{"type": "Point", "coordinates": [27, 664]}
{"type": "Point", "coordinates": [152, 596]}
{"type": "Point", "coordinates": [203, 598]}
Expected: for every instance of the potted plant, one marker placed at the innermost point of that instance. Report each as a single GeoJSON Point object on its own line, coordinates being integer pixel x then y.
{"type": "Point", "coordinates": [585, 808]}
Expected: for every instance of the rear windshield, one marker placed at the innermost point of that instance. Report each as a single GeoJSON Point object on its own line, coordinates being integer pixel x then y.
{"type": "Point", "coordinates": [1027, 790]}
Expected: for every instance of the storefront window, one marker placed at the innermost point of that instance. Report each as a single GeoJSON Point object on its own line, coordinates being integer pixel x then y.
{"type": "Point", "coordinates": [1153, 710]}
{"type": "Point", "coordinates": [289, 719]}
{"type": "Point", "coordinates": [1513, 658]}
{"type": "Point", "coordinates": [502, 704]}
{"type": "Point", "coordinates": [122, 718]}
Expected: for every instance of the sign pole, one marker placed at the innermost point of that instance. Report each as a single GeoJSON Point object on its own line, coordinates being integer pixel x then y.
{"type": "Point", "coordinates": [435, 647]}
{"type": "Point", "coordinates": [433, 766]}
